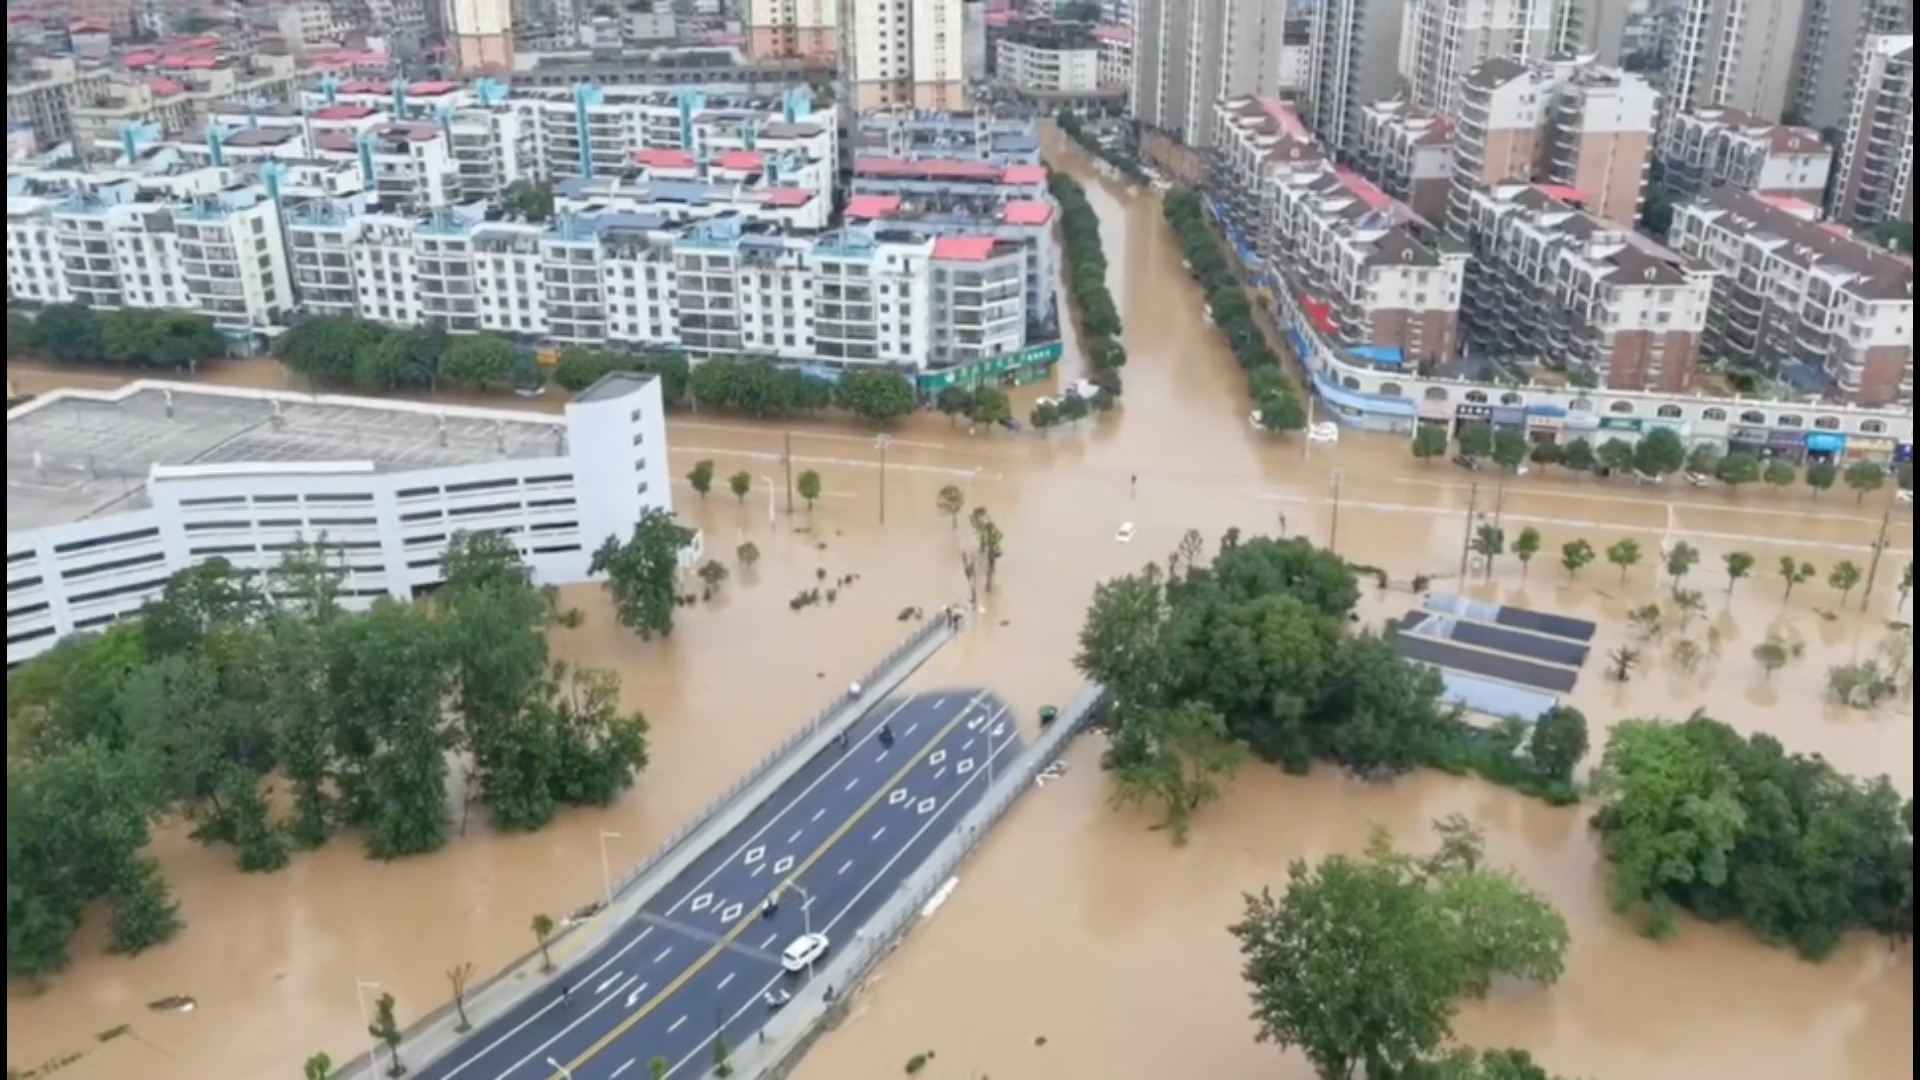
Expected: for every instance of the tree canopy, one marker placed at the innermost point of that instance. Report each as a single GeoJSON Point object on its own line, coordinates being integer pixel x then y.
{"type": "Point", "coordinates": [132, 338]}
{"type": "Point", "coordinates": [231, 682]}
{"type": "Point", "coordinates": [641, 571]}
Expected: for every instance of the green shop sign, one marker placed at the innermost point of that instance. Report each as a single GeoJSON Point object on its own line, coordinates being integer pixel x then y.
{"type": "Point", "coordinates": [1028, 365]}
{"type": "Point", "coordinates": [1619, 423]}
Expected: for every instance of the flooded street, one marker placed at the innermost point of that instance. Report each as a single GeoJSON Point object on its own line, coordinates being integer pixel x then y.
{"type": "Point", "coordinates": [1074, 923]}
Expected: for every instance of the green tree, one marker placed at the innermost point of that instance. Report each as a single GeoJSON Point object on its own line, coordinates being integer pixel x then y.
{"type": "Point", "coordinates": [1779, 473]}
{"type": "Point", "coordinates": [952, 502]}
{"type": "Point", "coordinates": [71, 333]}
{"type": "Point", "coordinates": [144, 912]}
{"type": "Point", "coordinates": [1794, 572]}
{"type": "Point", "coordinates": [809, 488]}
{"type": "Point", "coordinates": [641, 571]}
{"type": "Point", "coordinates": [1821, 476]}
{"type": "Point", "coordinates": [579, 368]}
{"type": "Point", "coordinates": [1844, 578]}
{"type": "Point", "coordinates": [1558, 742]}
{"type": "Point", "coordinates": [1615, 454]}
{"type": "Point", "coordinates": [528, 202]}
{"type": "Point", "coordinates": [1489, 542]}
{"type": "Point", "coordinates": [1525, 547]}
{"type": "Point", "coordinates": [1578, 456]}
{"type": "Point", "coordinates": [543, 933]}
{"type": "Point", "coordinates": [1906, 583]}
{"type": "Point", "coordinates": [722, 1057]}
{"type": "Point", "coordinates": [1468, 1064]}
{"type": "Point", "coordinates": [1682, 557]}
{"type": "Point", "coordinates": [317, 1067]}
{"type": "Point", "coordinates": [386, 1028]}
{"type": "Point", "coordinates": [1704, 459]}
{"type": "Point", "coordinates": [657, 1068]}
{"type": "Point", "coordinates": [458, 976]}
{"type": "Point", "coordinates": [1575, 556]}
{"type": "Point", "coordinates": [1865, 477]}
{"type": "Point", "coordinates": [1659, 452]}
{"type": "Point", "coordinates": [1476, 440]}
{"type": "Point", "coordinates": [1739, 565]}
{"type": "Point", "coordinates": [989, 406]}
{"type": "Point", "coordinates": [388, 672]}
{"type": "Point", "coordinates": [326, 348]}
{"type": "Point", "coordinates": [1121, 644]}
{"type": "Point", "coordinates": [713, 573]}
{"type": "Point", "coordinates": [1510, 448]}
{"type": "Point", "coordinates": [700, 478]}
{"type": "Point", "coordinates": [1775, 653]}
{"type": "Point", "coordinates": [879, 395]}
{"type": "Point", "coordinates": [1903, 475]}
{"type": "Point", "coordinates": [1737, 469]}
{"type": "Point", "coordinates": [989, 542]}
{"type": "Point", "coordinates": [23, 335]}
{"type": "Point", "coordinates": [748, 553]}
{"type": "Point", "coordinates": [1280, 410]}
{"type": "Point", "coordinates": [1624, 554]}
{"type": "Point", "coordinates": [478, 362]}
{"type": "Point", "coordinates": [1429, 442]}
{"type": "Point", "coordinates": [740, 484]}
{"type": "Point", "coordinates": [1176, 756]}
{"type": "Point", "coordinates": [1545, 454]}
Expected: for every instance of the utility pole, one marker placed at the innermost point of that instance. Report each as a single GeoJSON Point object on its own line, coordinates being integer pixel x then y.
{"type": "Point", "coordinates": [881, 443]}
{"type": "Point", "coordinates": [1879, 546]}
{"type": "Point", "coordinates": [1499, 502]}
{"type": "Point", "coordinates": [1333, 532]}
{"type": "Point", "coordinates": [786, 458]}
{"type": "Point", "coordinates": [1466, 541]}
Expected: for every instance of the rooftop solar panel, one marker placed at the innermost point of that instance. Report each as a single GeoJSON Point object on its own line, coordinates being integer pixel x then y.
{"type": "Point", "coordinates": [1492, 665]}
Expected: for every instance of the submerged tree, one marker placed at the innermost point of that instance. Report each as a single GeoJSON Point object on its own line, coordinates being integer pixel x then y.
{"type": "Point", "coordinates": [641, 570]}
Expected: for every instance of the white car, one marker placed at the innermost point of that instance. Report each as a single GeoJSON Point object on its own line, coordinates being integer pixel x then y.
{"type": "Point", "coordinates": [1125, 533]}
{"type": "Point", "coordinates": [806, 950]}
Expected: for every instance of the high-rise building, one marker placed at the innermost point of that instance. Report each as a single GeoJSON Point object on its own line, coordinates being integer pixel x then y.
{"type": "Point", "coordinates": [1831, 37]}
{"type": "Point", "coordinates": [777, 28]}
{"type": "Point", "coordinates": [1355, 54]}
{"type": "Point", "coordinates": [903, 54]}
{"type": "Point", "coordinates": [480, 34]}
{"type": "Point", "coordinates": [1445, 39]}
{"type": "Point", "coordinates": [1873, 179]}
{"type": "Point", "coordinates": [1596, 28]}
{"type": "Point", "coordinates": [1711, 148]}
{"type": "Point", "coordinates": [1736, 53]}
{"type": "Point", "coordinates": [1581, 128]}
{"type": "Point", "coordinates": [1188, 54]}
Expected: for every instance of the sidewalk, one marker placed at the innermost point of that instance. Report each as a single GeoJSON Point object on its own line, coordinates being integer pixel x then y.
{"type": "Point", "coordinates": [431, 1038]}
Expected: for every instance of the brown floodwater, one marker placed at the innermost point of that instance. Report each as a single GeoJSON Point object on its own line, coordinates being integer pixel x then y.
{"type": "Point", "coordinates": [1075, 923]}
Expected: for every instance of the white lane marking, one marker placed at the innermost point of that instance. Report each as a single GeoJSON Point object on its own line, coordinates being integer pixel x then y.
{"type": "Point", "coordinates": [756, 999]}
{"type": "Point", "coordinates": [623, 1068]}
{"type": "Point", "coordinates": [771, 938]}
{"type": "Point", "coordinates": [844, 867]}
{"type": "Point", "coordinates": [664, 953]}
{"type": "Point", "coordinates": [941, 773]}
{"type": "Point", "coordinates": [965, 746]}
{"type": "Point", "coordinates": [595, 973]}
{"type": "Point", "coordinates": [605, 986]}
{"type": "Point", "coordinates": [911, 726]}
{"type": "Point", "coordinates": [939, 702]}
{"type": "Point", "coordinates": [757, 870]}
{"type": "Point", "coordinates": [634, 997]}
{"type": "Point", "coordinates": [725, 981]}
{"type": "Point", "coordinates": [882, 757]}
{"type": "Point", "coordinates": [796, 836]}
{"type": "Point", "coordinates": [543, 1010]}
{"type": "Point", "coordinates": [675, 1026]}
{"type": "Point", "coordinates": [879, 832]}
{"type": "Point", "coordinates": [818, 814]}
{"type": "Point", "coordinates": [853, 783]}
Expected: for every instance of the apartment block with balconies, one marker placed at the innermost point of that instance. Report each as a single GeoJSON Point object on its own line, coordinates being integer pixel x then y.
{"type": "Point", "coordinates": [1251, 141]}
{"type": "Point", "coordinates": [1445, 39]}
{"type": "Point", "coordinates": [1797, 291]}
{"type": "Point", "coordinates": [1721, 147]}
{"type": "Point", "coordinates": [1408, 151]}
{"type": "Point", "coordinates": [1553, 284]}
{"type": "Point", "coordinates": [1372, 273]}
{"type": "Point", "coordinates": [1874, 173]}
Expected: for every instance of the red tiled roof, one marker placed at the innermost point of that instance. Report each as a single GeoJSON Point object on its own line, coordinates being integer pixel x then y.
{"type": "Point", "coordinates": [742, 160]}
{"type": "Point", "coordinates": [87, 26]}
{"type": "Point", "coordinates": [964, 248]}
{"type": "Point", "coordinates": [205, 41]}
{"type": "Point", "coordinates": [1024, 174]}
{"type": "Point", "coordinates": [869, 207]}
{"type": "Point", "coordinates": [431, 89]}
{"type": "Point", "coordinates": [1027, 212]}
{"type": "Point", "coordinates": [174, 60]}
{"type": "Point", "coordinates": [1363, 189]}
{"type": "Point", "coordinates": [663, 159]}
{"type": "Point", "coordinates": [22, 18]}
{"type": "Point", "coordinates": [139, 59]}
{"type": "Point", "coordinates": [342, 112]}
{"type": "Point", "coordinates": [1572, 196]}
{"type": "Point", "coordinates": [364, 86]}
{"type": "Point", "coordinates": [1118, 34]}
{"type": "Point", "coordinates": [930, 170]}
{"type": "Point", "coordinates": [166, 87]}
{"type": "Point", "coordinates": [201, 63]}
{"type": "Point", "coordinates": [339, 142]}
{"type": "Point", "coordinates": [786, 196]}
{"type": "Point", "coordinates": [1289, 121]}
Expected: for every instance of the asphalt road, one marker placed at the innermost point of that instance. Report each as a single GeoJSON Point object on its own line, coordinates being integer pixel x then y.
{"type": "Point", "coordinates": [836, 841]}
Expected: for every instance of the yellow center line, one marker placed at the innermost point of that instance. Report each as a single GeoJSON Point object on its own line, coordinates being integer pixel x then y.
{"type": "Point", "coordinates": [740, 927]}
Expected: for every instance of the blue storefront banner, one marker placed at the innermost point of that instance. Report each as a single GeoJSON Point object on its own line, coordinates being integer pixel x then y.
{"type": "Point", "coordinates": [1343, 398]}
{"type": "Point", "coordinates": [1821, 443]}
{"type": "Point", "coordinates": [1509, 416]}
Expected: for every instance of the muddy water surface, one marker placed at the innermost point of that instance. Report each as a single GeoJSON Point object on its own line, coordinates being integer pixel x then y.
{"type": "Point", "coordinates": [1074, 924]}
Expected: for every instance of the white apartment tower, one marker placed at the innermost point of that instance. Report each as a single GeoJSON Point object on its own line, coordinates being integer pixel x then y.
{"type": "Point", "coordinates": [793, 28]}
{"type": "Point", "coordinates": [1355, 53]}
{"type": "Point", "coordinates": [1874, 174]}
{"type": "Point", "coordinates": [1596, 28]}
{"type": "Point", "coordinates": [1734, 53]}
{"type": "Point", "coordinates": [1188, 54]}
{"type": "Point", "coordinates": [1445, 39]}
{"type": "Point", "coordinates": [903, 53]}
{"type": "Point", "coordinates": [1831, 37]}
{"type": "Point", "coordinates": [480, 33]}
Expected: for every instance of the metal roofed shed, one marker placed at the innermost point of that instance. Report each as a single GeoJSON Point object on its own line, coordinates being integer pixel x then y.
{"type": "Point", "coordinates": [1494, 699]}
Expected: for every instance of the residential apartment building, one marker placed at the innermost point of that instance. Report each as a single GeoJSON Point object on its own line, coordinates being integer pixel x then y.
{"type": "Point", "coordinates": [1445, 39]}
{"type": "Point", "coordinates": [1556, 285]}
{"type": "Point", "coordinates": [1188, 54]}
{"type": "Point", "coordinates": [1874, 174]}
{"type": "Point", "coordinates": [1579, 126]}
{"type": "Point", "coordinates": [42, 92]}
{"type": "Point", "coordinates": [1049, 62]}
{"type": "Point", "coordinates": [1797, 292]}
{"type": "Point", "coordinates": [1596, 28]}
{"type": "Point", "coordinates": [1832, 34]}
{"type": "Point", "coordinates": [480, 34]}
{"type": "Point", "coordinates": [1355, 60]}
{"type": "Point", "coordinates": [992, 134]}
{"type": "Point", "coordinates": [1408, 151]}
{"type": "Point", "coordinates": [1715, 147]}
{"type": "Point", "coordinates": [1254, 141]}
{"type": "Point", "coordinates": [1736, 53]}
{"type": "Point", "coordinates": [793, 28]}
{"type": "Point", "coordinates": [1371, 274]}
{"type": "Point", "coordinates": [1116, 58]}
{"type": "Point", "coordinates": [904, 53]}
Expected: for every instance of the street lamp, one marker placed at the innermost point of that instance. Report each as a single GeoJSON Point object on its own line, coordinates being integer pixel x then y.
{"type": "Point", "coordinates": [360, 988]}
{"type": "Point", "coordinates": [565, 1073]}
{"type": "Point", "coordinates": [1333, 532]}
{"type": "Point", "coordinates": [806, 903]}
{"type": "Point", "coordinates": [881, 443]}
{"type": "Point", "coordinates": [768, 480]}
{"type": "Point", "coordinates": [606, 872]}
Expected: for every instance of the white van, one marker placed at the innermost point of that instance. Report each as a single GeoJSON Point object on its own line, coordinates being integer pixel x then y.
{"type": "Point", "coordinates": [806, 951]}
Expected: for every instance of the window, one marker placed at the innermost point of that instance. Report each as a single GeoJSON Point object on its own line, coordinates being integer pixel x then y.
{"type": "Point", "coordinates": [1790, 420]}
{"type": "Point", "coordinates": [1621, 408]}
{"type": "Point", "coordinates": [1872, 427]}
{"type": "Point", "coordinates": [1510, 400]}
{"type": "Point", "coordinates": [1477, 397]}
{"type": "Point", "coordinates": [1828, 423]}
{"type": "Point", "coordinates": [1753, 416]}
{"type": "Point", "coordinates": [1669, 412]}
{"type": "Point", "coordinates": [1715, 415]}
